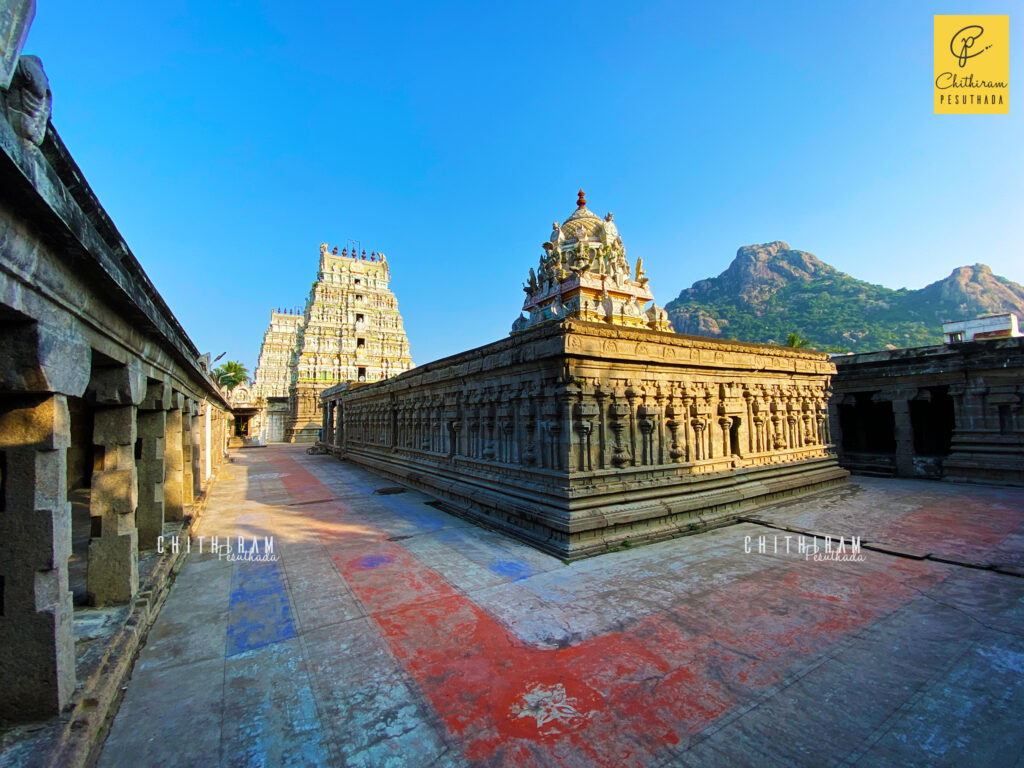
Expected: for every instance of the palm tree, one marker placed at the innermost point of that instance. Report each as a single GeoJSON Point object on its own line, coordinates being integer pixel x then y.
{"type": "Point", "coordinates": [797, 341]}
{"type": "Point", "coordinates": [230, 374]}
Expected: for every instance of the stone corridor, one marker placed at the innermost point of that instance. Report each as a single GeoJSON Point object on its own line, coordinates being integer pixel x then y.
{"type": "Point", "coordinates": [389, 633]}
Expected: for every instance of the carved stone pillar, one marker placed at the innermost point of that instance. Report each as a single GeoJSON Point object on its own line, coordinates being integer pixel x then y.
{"type": "Point", "coordinates": [551, 432]}
{"type": "Point", "coordinates": [603, 454]}
{"type": "Point", "coordinates": [660, 438]}
{"type": "Point", "coordinates": [757, 418]}
{"type": "Point", "coordinates": [698, 425]}
{"type": "Point", "coordinates": [748, 400]}
{"type": "Point", "coordinates": [173, 475]}
{"type": "Point", "coordinates": [960, 418]}
{"type": "Point", "coordinates": [793, 426]}
{"type": "Point", "coordinates": [37, 643]}
{"type": "Point", "coordinates": [528, 424]}
{"type": "Point", "coordinates": [207, 452]}
{"type": "Point", "coordinates": [810, 430]}
{"type": "Point", "coordinates": [150, 461]}
{"type": "Point", "coordinates": [632, 427]}
{"type": "Point", "coordinates": [685, 416]}
{"type": "Point", "coordinates": [327, 423]}
{"type": "Point", "coordinates": [725, 423]}
{"type": "Point", "coordinates": [647, 417]}
{"type": "Point", "coordinates": [113, 574]}
{"type": "Point", "coordinates": [188, 485]}
{"type": "Point", "coordinates": [619, 417]}
{"type": "Point", "coordinates": [196, 435]}
{"type": "Point", "coordinates": [489, 449]}
{"type": "Point", "coordinates": [903, 430]}
{"type": "Point", "coordinates": [453, 426]}
{"type": "Point", "coordinates": [436, 417]}
{"type": "Point", "coordinates": [343, 425]}
{"type": "Point", "coordinates": [674, 420]}
{"type": "Point", "coordinates": [708, 412]}
{"type": "Point", "coordinates": [584, 414]}
{"type": "Point", "coordinates": [473, 418]}
{"type": "Point", "coordinates": [505, 415]}
{"type": "Point", "coordinates": [777, 436]}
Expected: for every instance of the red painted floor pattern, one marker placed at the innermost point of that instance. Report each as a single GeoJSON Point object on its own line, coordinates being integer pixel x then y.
{"type": "Point", "coordinates": [619, 699]}
{"type": "Point", "coordinates": [969, 530]}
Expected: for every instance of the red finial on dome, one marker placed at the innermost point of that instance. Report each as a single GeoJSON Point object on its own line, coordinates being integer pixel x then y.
{"type": "Point", "coordinates": [581, 200]}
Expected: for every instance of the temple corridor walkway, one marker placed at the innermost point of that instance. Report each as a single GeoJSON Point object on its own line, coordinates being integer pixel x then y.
{"type": "Point", "coordinates": [388, 633]}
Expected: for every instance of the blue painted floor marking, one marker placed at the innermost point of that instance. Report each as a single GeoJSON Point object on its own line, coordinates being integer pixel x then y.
{"type": "Point", "coordinates": [514, 569]}
{"type": "Point", "coordinates": [260, 613]}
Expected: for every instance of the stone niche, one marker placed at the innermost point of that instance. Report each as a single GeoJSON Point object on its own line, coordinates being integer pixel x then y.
{"type": "Point", "coordinates": [578, 437]}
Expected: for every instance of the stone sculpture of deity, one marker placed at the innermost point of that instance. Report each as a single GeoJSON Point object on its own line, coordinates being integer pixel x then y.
{"type": "Point", "coordinates": [557, 236]}
{"type": "Point", "coordinates": [611, 232]}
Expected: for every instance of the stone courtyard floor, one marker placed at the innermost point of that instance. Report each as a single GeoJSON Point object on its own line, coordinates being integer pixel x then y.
{"type": "Point", "coordinates": [389, 633]}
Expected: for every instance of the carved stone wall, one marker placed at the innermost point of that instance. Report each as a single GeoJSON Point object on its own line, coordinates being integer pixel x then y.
{"type": "Point", "coordinates": [578, 436]}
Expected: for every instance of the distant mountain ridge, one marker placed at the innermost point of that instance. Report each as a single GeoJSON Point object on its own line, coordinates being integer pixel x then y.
{"type": "Point", "coordinates": [771, 290]}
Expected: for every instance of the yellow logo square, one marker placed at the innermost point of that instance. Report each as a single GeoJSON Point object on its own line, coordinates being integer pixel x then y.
{"type": "Point", "coordinates": [972, 65]}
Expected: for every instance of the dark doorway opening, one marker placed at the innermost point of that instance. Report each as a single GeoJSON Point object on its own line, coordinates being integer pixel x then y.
{"type": "Point", "coordinates": [868, 426]}
{"type": "Point", "coordinates": [931, 417]}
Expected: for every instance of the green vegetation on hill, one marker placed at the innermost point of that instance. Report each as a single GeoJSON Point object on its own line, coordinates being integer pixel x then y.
{"type": "Point", "coordinates": [770, 291]}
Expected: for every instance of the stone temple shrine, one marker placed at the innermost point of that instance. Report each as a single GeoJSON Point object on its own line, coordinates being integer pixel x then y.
{"type": "Point", "coordinates": [593, 425]}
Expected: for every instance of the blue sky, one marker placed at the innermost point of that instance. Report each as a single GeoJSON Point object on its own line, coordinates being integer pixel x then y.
{"type": "Point", "coordinates": [228, 139]}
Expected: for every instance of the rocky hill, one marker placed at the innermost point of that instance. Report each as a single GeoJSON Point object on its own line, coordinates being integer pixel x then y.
{"type": "Point", "coordinates": [771, 290]}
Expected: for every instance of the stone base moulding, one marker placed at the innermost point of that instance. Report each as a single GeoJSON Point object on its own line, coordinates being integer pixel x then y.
{"type": "Point", "coordinates": [577, 528]}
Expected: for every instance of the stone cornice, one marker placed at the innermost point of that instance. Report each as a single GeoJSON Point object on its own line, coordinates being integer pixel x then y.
{"type": "Point", "coordinates": [48, 188]}
{"type": "Point", "coordinates": [578, 339]}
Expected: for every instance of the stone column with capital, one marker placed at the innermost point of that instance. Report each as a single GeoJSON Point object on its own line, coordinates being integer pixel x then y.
{"type": "Point", "coordinates": [173, 475]}
{"type": "Point", "coordinates": [188, 486]}
{"type": "Point", "coordinates": [37, 642]}
{"type": "Point", "coordinates": [151, 462]}
{"type": "Point", "coordinates": [113, 571]}
{"type": "Point", "coordinates": [113, 574]}
{"type": "Point", "coordinates": [903, 431]}
{"type": "Point", "coordinates": [196, 436]}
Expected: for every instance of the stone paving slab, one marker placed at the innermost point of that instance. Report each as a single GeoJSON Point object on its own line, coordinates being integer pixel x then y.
{"type": "Point", "coordinates": [388, 633]}
{"type": "Point", "coordinates": [971, 525]}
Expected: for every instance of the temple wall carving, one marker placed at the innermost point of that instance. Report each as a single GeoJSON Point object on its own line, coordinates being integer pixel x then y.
{"type": "Point", "coordinates": [577, 436]}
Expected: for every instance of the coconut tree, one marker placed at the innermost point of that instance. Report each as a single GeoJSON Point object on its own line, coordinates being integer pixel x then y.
{"type": "Point", "coordinates": [230, 374]}
{"type": "Point", "coordinates": [797, 341]}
